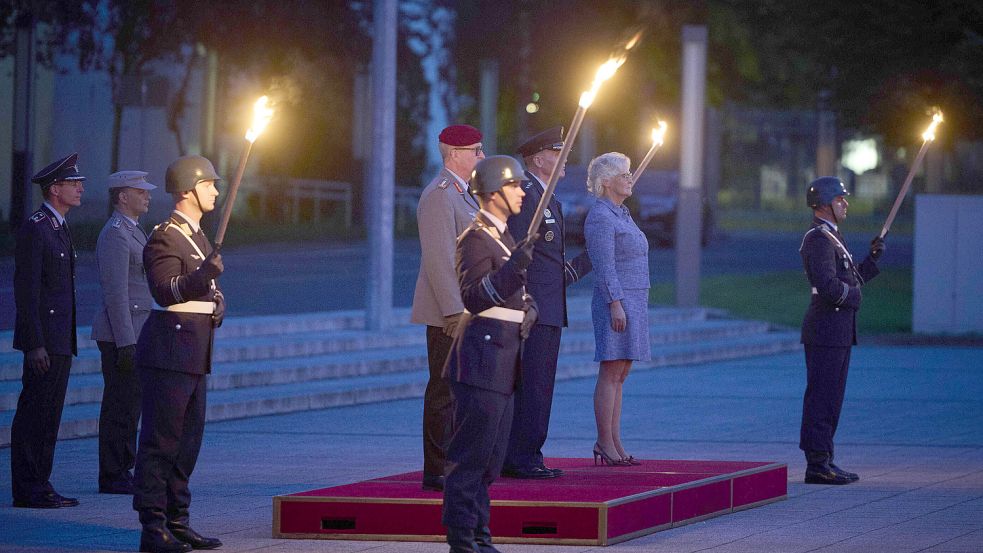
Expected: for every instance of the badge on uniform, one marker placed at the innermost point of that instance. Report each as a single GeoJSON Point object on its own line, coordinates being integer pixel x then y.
{"type": "Point", "coordinates": [549, 236]}
{"type": "Point", "coordinates": [548, 213]}
{"type": "Point", "coordinates": [38, 217]}
{"type": "Point", "coordinates": [117, 222]}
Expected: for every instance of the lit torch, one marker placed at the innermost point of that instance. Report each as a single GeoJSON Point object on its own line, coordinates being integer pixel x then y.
{"type": "Point", "coordinates": [658, 138]}
{"type": "Point", "coordinates": [605, 72]}
{"type": "Point", "coordinates": [927, 137]}
{"type": "Point", "coordinates": [262, 113]}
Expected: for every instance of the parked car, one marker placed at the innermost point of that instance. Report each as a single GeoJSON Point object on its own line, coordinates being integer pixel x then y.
{"type": "Point", "coordinates": [653, 205]}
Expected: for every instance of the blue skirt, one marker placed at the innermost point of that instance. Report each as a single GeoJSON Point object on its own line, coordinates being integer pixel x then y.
{"type": "Point", "coordinates": [633, 343]}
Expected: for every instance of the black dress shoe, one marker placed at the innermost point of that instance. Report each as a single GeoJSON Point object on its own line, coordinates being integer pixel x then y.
{"type": "Point", "coordinates": [556, 472]}
{"type": "Point", "coordinates": [433, 483]}
{"type": "Point", "coordinates": [62, 500]}
{"type": "Point", "coordinates": [121, 487]}
{"type": "Point", "coordinates": [157, 539]}
{"type": "Point", "coordinates": [194, 539]}
{"type": "Point", "coordinates": [41, 502]}
{"type": "Point", "coordinates": [825, 475]}
{"type": "Point", "coordinates": [535, 473]}
{"type": "Point", "coordinates": [483, 540]}
{"type": "Point", "coordinates": [851, 476]}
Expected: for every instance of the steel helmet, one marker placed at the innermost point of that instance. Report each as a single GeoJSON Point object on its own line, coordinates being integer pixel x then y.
{"type": "Point", "coordinates": [494, 172]}
{"type": "Point", "coordinates": [185, 172]}
{"type": "Point", "coordinates": [824, 190]}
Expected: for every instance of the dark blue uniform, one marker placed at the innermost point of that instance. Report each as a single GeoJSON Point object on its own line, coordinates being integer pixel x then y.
{"type": "Point", "coordinates": [548, 276]}
{"type": "Point", "coordinates": [829, 330]}
{"type": "Point", "coordinates": [482, 368]}
{"type": "Point", "coordinates": [174, 353]}
{"type": "Point", "coordinates": [44, 292]}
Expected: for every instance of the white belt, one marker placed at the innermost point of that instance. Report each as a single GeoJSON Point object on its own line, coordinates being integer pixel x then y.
{"type": "Point", "coordinates": [503, 314]}
{"type": "Point", "coordinates": [814, 291]}
{"type": "Point", "coordinates": [201, 307]}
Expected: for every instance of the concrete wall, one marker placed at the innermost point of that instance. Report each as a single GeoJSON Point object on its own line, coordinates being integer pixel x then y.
{"type": "Point", "coordinates": [948, 273]}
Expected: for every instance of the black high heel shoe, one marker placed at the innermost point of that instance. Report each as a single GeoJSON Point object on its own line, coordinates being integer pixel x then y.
{"type": "Point", "coordinates": [602, 458]}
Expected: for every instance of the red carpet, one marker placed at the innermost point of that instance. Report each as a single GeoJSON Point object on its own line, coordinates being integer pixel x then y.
{"type": "Point", "coordinates": [588, 505]}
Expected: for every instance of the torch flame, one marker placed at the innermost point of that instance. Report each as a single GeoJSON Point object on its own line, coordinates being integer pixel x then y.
{"type": "Point", "coordinates": [605, 72]}
{"type": "Point", "coordinates": [262, 113]}
{"type": "Point", "coordinates": [633, 41]}
{"type": "Point", "coordinates": [929, 133]}
{"type": "Point", "coordinates": [659, 134]}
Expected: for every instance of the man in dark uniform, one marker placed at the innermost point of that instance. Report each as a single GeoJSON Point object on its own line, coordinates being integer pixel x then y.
{"type": "Point", "coordinates": [829, 329]}
{"type": "Point", "coordinates": [44, 293]}
{"type": "Point", "coordinates": [483, 364]}
{"type": "Point", "coordinates": [549, 275]}
{"type": "Point", "coordinates": [174, 355]}
{"type": "Point", "coordinates": [124, 307]}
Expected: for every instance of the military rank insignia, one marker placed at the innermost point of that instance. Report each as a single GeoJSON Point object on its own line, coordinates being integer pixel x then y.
{"type": "Point", "coordinates": [38, 217]}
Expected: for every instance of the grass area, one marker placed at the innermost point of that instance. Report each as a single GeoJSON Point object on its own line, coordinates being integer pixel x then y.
{"type": "Point", "coordinates": [782, 298]}
{"type": "Point", "coordinates": [795, 221]}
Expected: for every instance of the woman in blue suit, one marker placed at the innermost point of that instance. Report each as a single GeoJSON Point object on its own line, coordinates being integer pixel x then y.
{"type": "Point", "coordinates": [619, 253]}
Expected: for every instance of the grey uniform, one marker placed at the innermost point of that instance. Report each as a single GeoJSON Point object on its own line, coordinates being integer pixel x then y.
{"type": "Point", "coordinates": [446, 209]}
{"type": "Point", "coordinates": [124, 305]}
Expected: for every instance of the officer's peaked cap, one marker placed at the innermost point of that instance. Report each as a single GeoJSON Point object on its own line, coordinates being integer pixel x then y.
{"type": "Point", "coordinates": [66, 168]}
{"type": "Point", "coordinates": [550, 139]}
{"type": "Point", "coordinates": [130, 179]}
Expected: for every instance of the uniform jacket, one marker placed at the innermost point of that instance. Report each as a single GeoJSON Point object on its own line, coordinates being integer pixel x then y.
{"type": "Point", "coordinates": [445, 210]}
{"type": "Point", "coordinates": [486, 354]}
{"type": "Point", "coordinates": [125, 301]}
{"type": "Point", "coordinates": [549, 273]}
{"type": "Point", "coordinates": [170, 340]}
{"type": "Point", "coordinates": [618, 249]}
{"type": "Point", "coordinates": [44, 286]}
{"type": "Point", "coordinates": [831, 319]}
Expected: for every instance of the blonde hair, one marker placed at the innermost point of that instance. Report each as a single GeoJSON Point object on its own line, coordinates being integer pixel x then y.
{"type": "Point", "coordinates": [604, 167]}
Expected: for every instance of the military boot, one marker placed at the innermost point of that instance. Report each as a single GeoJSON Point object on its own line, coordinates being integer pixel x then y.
{"type": "Point", "coordinates": [180, 529]}
{"type": "Point", "coordinates": [483, 540]}
{"type": "Point", "coordinates": [156, 538]}
{"type": "Point", "coordinates": [461, 540]}
{"type": "Point", "coordinates": [818, 470]}
{"type": "Point", "coordinates": [851, 476]}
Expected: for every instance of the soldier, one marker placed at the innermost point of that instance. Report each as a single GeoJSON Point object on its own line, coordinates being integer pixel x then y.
{"type": "Point", "coordinates": [174, 355]}
{"type": "Point", "coordinates": [446, 208]}
{"type": "Point", "coordinates": [549, 275]}
{"type": "Point", "coordinates": [483, 365]}
{"type": "Point", "coordinates": [44, 294]}
{"type": "Point", "coordinates": [829, 329]}
{"type": "Point", "coordinates": [125, 305]}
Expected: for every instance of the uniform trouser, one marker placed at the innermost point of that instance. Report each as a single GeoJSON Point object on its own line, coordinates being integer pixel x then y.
{"type": "Point", "coordinates": [170, 438]}
{"type": "Point", "coordinates": [482, 419]}
{"type": "Point", "coordinates": [34, 430]}
{"type": "Point", "coordinates": [118, 418]}
{"type": "Point", "coordinates": [436, 403]}
{"type": "Point", "coordinates": [533, 398]}
{"type": "Point", "coordinates": [826, 369]}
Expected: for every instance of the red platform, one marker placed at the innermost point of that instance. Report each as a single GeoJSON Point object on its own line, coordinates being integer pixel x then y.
{"type": "Point", "coordinates": [588, 505]}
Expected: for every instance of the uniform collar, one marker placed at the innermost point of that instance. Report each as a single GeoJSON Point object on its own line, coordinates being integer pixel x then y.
{"type": "Point", "coordinates": [195, 227]}
{"type": "Point", "coordinates": [830, 223]}
{"type": "Point", "coordinates": [462, 182]}
{"type": "Point", "coordinates": [54, 213]}
{"type": "Point", "coordinates": [130, 220]}
{"type": "Point", "coordinates": [495, 221]}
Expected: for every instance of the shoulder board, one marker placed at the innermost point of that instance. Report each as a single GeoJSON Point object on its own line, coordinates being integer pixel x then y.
{"type": "Point", "coordinates": [38, 217]}
{"type": "Point", "coordinates": [182, 227]}
{"type": "Point", "coordinates": [443, 183]}
{"type": "Point", "coordinates": [117, 222]}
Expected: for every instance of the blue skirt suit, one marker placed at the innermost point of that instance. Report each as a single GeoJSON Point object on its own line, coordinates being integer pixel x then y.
{"type": "Point", "coordinates": [618, 251]}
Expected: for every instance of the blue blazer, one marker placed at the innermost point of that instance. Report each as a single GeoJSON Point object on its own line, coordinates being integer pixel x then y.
{"type": "Point", "coordinates": [549, 273]}
{"type": "Point", "coordinates": [831, 319]}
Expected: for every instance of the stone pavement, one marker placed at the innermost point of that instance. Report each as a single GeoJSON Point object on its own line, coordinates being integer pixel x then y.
{"type": "Point", "coordinates": [912, 427]}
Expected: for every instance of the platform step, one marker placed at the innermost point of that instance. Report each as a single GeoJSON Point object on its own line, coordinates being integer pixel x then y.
{"type": "Point", "coordinates": [276, 396]}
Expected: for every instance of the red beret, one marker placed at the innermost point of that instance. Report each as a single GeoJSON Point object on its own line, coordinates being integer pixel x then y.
{"type": "Point", "coordinates": [460, 135]}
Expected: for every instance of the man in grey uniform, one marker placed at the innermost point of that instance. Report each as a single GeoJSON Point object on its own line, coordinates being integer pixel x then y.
{"type": "Point", "coordinates": [124, 307]}
{"type": "Point", "coordinates": [446, 209]}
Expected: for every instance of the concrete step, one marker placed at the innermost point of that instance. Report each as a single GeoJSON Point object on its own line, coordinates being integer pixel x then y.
{"type": "Point", "coordinates": [256, 338]}
{"type": "Point", "coordinates": [81, 420]}
{"type": "Point", "coordinates": [87, 387]}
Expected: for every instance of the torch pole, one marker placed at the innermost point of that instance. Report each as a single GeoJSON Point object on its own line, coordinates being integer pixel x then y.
{"type": "Point", "coordinates": [904, 188]}
{"type": "Point", "coordinates": [233, 189]}
{"type": "Point", "coordinates": [537, 216]}
{"type": "Point", "coordinates": [645, 163]}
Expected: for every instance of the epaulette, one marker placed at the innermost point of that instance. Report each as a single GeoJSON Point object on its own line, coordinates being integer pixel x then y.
{"type": "Point", "coordinates": [117, 222]}
{"type": "Point", "coordinates": [38, 217]}
{"type": "Point", "coordinates": [183, 227]}
{"type": "Point", "coordinates": [443, 184]}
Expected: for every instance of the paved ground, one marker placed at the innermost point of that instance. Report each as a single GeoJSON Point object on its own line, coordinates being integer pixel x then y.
{"type": "Point", "coordinates": [912, 427]}
{"type": "Point", "coordinates": [304, 277]}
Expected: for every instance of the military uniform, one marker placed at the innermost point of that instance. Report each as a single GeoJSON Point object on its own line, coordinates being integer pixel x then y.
{"type": "Point", "coordinates": [44, 294]}
{"type": "Point", "coordinates": [483, 368]}
{"type": "Point", "coordinates": [829, 330]}
{"type": "Point", "coordinates": [124, 307]}
{"type": "Point", "coordinates": [445, 210]}
{"type": "Point", "coordinates": [174, 354]}
{"type": "Point", "coordinates": [549, 275]}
